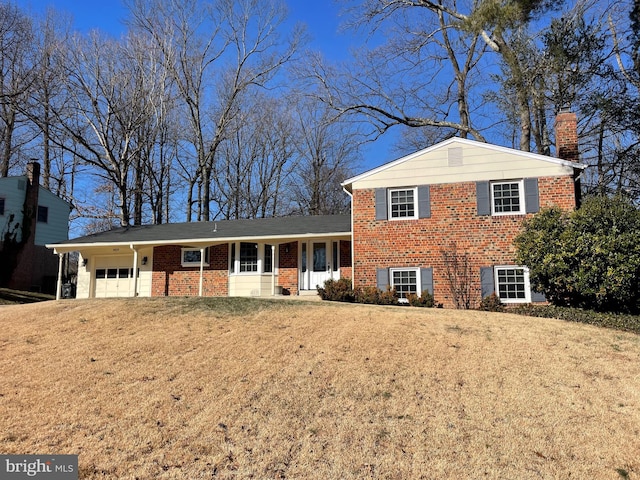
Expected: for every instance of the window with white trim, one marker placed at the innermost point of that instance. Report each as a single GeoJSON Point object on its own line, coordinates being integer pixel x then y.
{"type": "Point", "coordinates": [405, 281]}
{"type": "Point", "coordinates": [191, 257]}
{"type": "Point", "coordinates": [512, 284]}
{"type": "Point", "coordinates": [507, 198]}
{"type": "Point", "coordinates": [403, 203]}
{"type": "Point", "coordinates": [267, 266]}
{"type": "Point", "coordinates": [248, 257]}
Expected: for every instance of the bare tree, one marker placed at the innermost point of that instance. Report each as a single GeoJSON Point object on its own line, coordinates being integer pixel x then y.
{"type": "Point", "coordinates": [256, 160]}
{"type": "Point", "coordinates": [216, 52]}
{"type": "Point", "coordinates": [51, 37]}
{"type": "Point", "coordinates": [327, 153]}
{"type": "Point", "coordinates": [110, 105]}
{"type": "Point", "coordinates": [418, 77]}
{"type": "Point", "coordinates": [17, 74]}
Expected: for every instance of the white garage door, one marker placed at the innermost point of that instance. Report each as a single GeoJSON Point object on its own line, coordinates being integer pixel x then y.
{"type": "Point", "coordinates": [114, 276]}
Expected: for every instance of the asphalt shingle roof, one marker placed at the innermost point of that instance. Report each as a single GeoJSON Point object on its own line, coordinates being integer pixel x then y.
{"type": "Point", "coordinates": [223, 229]}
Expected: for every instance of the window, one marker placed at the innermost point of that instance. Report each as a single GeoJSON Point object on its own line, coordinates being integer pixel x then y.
{"type": "Point", "coordinates": [1, 206]}
{"type": "Point", "coordinates": [191, 257]}
{"type": "Point", "coordinates": [512, 284]}
{"type": "Point", "coordinates": [402, 203]}
{"type": "Point", "coordinates": [507, 198]}
{"type": "Point", "coordinates": [268, 259]}
{"type": "Point", "coordinates": [43, 214]}
{"type": "Point", "coordinates": [405, 281]}
{"type": "Point", "coordinates": [248, 257]}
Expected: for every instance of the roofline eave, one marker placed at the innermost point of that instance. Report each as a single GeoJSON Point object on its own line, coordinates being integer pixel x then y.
{"type": "Point", "coordinates": [70, 247]}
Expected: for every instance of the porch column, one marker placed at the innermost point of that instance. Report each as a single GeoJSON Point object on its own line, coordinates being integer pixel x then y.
{"type": "Point", "coordinates": [59, 281]}
{"type": "Point", "coordinates": [135, 271]}
{"type": "Point", "coordinates": [273, 270]}
{"type": "Point", "coordinates": [201, 270]}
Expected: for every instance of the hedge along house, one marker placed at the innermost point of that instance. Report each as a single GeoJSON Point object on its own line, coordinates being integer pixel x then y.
{"type": "Point", "coordinates": [444, 219]}
{"type": "Point", "coordinates": [257, 257]}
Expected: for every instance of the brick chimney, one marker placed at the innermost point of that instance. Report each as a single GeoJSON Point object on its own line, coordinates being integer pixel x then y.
{"type": "Point", "coordinates": [26, 260]}
{"type": "Point", "coordinates": [567, 135]}
{"type": "Point", "coordinates": [31, 198]}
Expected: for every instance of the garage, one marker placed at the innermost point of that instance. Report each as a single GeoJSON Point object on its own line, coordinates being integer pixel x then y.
{"type": "Point", "coordinates": [113, 276]}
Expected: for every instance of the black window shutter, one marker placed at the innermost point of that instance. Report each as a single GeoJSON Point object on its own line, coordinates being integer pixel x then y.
{"type": "Point", "coordinates": [531, 197]}
{"type": "Point", "coordinates": [484, 198]}
{"type": "Point", "coordinates": [424, 201]}
{"type": "Point", "coordinates": [537, 297]}
{"type": "Point", "coordinates": [382, 279]}
{"type": "Point", "coordinates": [381, 203]}
{"type": "Point", "coordinates": [487, 282]}
{"type": "Point", "coordinates": [426, 280]}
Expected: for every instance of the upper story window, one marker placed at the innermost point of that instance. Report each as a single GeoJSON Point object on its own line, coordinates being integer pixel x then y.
{"type": "Point", "coordinates": [402, 203]}
{"type": "Point", "coordinates": [191, 257]}
{"type": "Point", "coordinates": [1, 206]}
{"type": "Point", "coordinates": [43, 214]}
{"type": "Point", "coordinates": [507, 198]}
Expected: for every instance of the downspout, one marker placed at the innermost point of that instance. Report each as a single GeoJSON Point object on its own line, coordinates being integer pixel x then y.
{"type": "Point", "coordinates": [59, 281]}
{"type": "Point", "coordinates": [135, 270]}
{"type": "Point", "coordinates": [201, 270]}
{"type": "Point", "coordinates": [353, 243]}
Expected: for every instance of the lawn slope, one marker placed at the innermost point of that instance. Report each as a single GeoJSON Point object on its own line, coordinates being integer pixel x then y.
{"type": "Point", "coordinates": [242, 388]}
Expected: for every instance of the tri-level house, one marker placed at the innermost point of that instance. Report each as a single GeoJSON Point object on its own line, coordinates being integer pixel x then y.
{"type": "Point", "coordinates": [30, 217]}
{"type": "Point", "coordinates": [458, 196]}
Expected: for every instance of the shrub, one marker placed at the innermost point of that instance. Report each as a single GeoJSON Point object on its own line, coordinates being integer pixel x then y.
{"type": "Point", "coordinates": [424, 300]}
{"type": "Point", "coordinates": [375, 296]}
{"type": "Point", "coordinates": [337, 290]}
{"type": "Point", "coordinates": [617, 321]}
{"type": "Point", "coordinates": [491, 303]}
{"type": "Point", "coordinates": [589, 258]}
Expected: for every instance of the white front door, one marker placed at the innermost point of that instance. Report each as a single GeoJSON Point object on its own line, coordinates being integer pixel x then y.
{"type": "Point", "coordinates": [316, 264]}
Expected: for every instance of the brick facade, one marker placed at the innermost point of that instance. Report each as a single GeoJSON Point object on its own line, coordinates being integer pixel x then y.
{"type": "Point", "coordinates": [454, 220]}
{"type": "Point", "coordinates": [170, 278]}
{"type": "Point", "coordinates": [288, 268]}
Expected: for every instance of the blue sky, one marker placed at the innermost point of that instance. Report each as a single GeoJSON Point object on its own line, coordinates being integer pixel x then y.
{"type": "Point", "coordinates": [322, 18]}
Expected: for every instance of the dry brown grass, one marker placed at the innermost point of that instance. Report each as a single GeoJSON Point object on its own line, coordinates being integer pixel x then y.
{"type": "Point", "coordinates": [173, 388]}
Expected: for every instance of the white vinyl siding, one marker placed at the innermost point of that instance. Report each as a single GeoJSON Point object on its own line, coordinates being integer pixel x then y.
{"type": "Point", "coordinates": [481, 162]}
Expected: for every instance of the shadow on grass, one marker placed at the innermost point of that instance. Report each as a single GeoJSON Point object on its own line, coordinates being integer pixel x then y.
{"type": "Point", "coordinates": [12, 297]}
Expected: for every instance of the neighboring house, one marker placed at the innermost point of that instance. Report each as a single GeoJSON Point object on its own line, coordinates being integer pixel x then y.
{"type": "Point", "coordinates": [457, 196]}
{"type": "Point", "coordinates": [33, 217]}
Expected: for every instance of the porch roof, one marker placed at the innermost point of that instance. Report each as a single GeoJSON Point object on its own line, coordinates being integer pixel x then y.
{"type": "Point", "coordinates": [199, 233]}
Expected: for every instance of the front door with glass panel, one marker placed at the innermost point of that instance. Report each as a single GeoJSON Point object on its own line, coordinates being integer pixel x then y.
{"type": "Point", "coordinates": [316, 264]}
